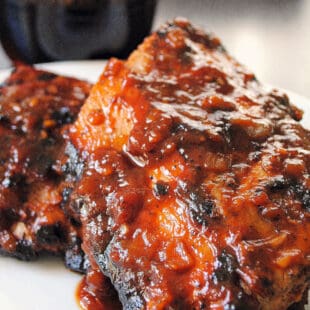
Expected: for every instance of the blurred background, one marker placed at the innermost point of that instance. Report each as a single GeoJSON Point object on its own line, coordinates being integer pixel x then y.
{"type": "Point", "coordinates": [271, 37]}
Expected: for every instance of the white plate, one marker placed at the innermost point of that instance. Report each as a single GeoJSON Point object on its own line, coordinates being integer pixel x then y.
{"type": "Point", "coordinates": [46, 284]}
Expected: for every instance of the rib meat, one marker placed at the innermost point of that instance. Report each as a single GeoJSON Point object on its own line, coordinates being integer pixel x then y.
{"type": "Point", "coordinates": [35, 109]}
{"type": "Point", "coordinates": [196, 188]}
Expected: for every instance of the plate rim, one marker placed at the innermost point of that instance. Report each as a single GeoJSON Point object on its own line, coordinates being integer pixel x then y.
{"type": "Point", "coordinates": [102, 62]}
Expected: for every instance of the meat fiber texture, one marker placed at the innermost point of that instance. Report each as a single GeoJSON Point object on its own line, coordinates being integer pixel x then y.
{"type": "Point", "coordinates": [36, 108]}
{"type": "Point", "coordinates": [196, 188]}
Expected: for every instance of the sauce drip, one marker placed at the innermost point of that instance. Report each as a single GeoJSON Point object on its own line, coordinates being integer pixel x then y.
{"type": "Point", "coordinates": [95, 292]}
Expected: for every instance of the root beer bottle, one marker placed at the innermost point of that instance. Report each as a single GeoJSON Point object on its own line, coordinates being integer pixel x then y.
{"type": "Point", "coordinates": [49, 30]}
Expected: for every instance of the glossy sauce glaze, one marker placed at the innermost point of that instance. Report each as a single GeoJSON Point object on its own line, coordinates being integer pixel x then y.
{"type": "Point", "coordinates": [195, 192]}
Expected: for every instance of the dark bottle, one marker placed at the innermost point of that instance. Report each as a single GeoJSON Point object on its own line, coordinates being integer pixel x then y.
{"type": "Point", "coordinates": [47, 30]}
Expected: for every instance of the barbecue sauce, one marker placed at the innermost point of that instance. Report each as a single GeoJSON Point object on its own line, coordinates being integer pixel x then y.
{"type": "Point", "coordinates": [196, 190]}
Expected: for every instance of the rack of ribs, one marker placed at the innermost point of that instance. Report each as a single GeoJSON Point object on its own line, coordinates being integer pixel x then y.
{"type": "Point", "coordinates": [195, 192]}
{"type": "Point", "coordinates": [36, 108]}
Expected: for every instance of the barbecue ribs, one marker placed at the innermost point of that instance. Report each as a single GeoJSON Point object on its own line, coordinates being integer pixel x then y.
{"type": "Point", "coordinates": [196, 188]}
{"type": "Point", "coordinates": [35, 110]}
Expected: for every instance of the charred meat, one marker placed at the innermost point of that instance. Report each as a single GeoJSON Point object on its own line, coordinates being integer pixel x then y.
{"type": "Point", "coordinates": [36, 108]}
